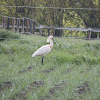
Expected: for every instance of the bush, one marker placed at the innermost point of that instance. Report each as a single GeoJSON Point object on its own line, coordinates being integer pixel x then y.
{"type": "Point", "coordinates": [5, 34]}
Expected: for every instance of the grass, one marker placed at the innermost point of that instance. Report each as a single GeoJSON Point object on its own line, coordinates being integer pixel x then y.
{"type": "Point", "coordinates": [70, 71]}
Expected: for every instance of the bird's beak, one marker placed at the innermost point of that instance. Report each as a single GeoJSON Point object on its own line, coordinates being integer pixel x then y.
{"type": "Point", "coordinates": [56, 42]}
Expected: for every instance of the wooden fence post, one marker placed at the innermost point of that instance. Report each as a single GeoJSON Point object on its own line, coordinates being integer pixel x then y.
{"type": "Point", "coordinates": [8, 23]}
{"type": "Point", "coordinates": [41, 29]}
{"type": "Point", "coordinates": [3, 22]}
{"type": "Point", "coordinates": [18, 25]}
{"type": "Point", "coordinates": [27, 25]}
{"type": "Point", "coordinates": [22, 31]}
{"type": "Point", "coordinates": [34, 27]}
{"type": "Point", "coordinates": [48, 32]}
{"type": "Point", "coordinates": [30, 26]}
{"type": "Point", "coordinates": [89, 34]}
{"type": "Point", "coordinates": [13, 24]}
{"type": "Point", "coordinates": [53, 31]}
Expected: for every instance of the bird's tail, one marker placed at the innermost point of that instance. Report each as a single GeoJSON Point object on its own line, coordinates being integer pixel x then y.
{"type": "Point", "coordinates": [33, 55]}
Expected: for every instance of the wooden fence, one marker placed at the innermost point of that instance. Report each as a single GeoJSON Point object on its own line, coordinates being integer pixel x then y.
{"type": "Point", "coordinates": [20, 25]}
{"type": "Point", "coordinates": [24, 25]}
{"type": "Point", "coordinates": [27, 25]}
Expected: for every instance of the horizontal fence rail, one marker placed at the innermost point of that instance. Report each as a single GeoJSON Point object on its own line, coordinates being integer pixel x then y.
{"type": "Point", "coordinates": [20, 25]}
{"type": "Point", "coordinates": [27, 25]}
{"type": "Point", "coordinates": [49, 7]}
{"type": "Point", "coordinates": [72, 29]}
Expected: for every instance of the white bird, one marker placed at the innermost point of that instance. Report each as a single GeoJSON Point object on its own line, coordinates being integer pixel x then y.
{"type": "Point", "coordinates": [42, 51]}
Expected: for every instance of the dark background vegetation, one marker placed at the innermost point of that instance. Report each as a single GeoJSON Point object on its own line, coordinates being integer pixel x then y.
{"type": "Point", "coordinates": [56, 17]}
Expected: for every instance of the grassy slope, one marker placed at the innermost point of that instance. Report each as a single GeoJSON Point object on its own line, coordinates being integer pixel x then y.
{"type": "Point", "coordinates": [70, 72]}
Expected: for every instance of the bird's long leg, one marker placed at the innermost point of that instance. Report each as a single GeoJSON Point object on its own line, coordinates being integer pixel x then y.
{"type": "Point", "coordinates": [42, 59]}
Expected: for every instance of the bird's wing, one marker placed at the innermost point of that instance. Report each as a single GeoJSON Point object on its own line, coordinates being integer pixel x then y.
{"type": "Point", "coordinates": [42, 51]}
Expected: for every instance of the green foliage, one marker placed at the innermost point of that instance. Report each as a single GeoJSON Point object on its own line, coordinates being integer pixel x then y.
{"type": "Point", "coordinates": [70, 71]}
{"type": "Point", "coordinates": [93, 46]}
{"type": "Point", "coordinates": [2, 49]}
{"type": "Point", "coordinates": [56, 17]}
{"type": "Point", "coordinates": [4, 34]}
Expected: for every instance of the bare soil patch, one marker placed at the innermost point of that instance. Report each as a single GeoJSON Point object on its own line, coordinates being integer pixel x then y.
{"type": "Point", "coordinates": [25, 70]}
{"type": "Point", "coordinates": [83, 88]}
{"type": "Point", "coordinates": [5, 85]}
{"type": "Point", "coordinates": [52, 91]}
{"type": "Point", "coordinates": [71, 99]}
{"type": "Point", "coordinates": [80, 91]}
{"type": "Point", "coordinates": [0, 87]}
{"type": "Point", "coordinates": [37, 84]}
{"type": "Point", "coordinates": [99, 73]}
{"type": "Point", "coordinates": [98, 98]}
{"type": "Point", "coordinates": [48, 70]}
{"type": "Point", "coordinates": [20, 96]}
{"type": "Point", "coordinates": [67, 71]}
{"type": "Point", "coordinates": [86, 70]}
{"type": "Point", "coordinates": [30, 87]}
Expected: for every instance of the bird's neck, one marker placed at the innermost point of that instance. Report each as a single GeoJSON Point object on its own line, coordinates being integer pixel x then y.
{"type": "Point", "coordinates": [51, 43]}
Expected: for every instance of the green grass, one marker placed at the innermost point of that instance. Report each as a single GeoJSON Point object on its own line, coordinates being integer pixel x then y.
{"type": "Point", "coordinates": [70, 71]}
{"type": "Point", "coordinates": [5, 34]}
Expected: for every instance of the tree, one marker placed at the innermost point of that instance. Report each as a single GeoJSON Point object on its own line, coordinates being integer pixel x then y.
{"type": "Point", "coordinates": [91, 18]}
{"type": "Point", "coordinates": [56, 17]}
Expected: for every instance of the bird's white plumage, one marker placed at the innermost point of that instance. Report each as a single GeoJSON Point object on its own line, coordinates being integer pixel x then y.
{"type": "Point", "coordinates": [42, 51]}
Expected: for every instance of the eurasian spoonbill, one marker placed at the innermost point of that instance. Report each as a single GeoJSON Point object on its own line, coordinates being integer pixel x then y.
{"type": "Point", "coordinates": [42, 51]}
